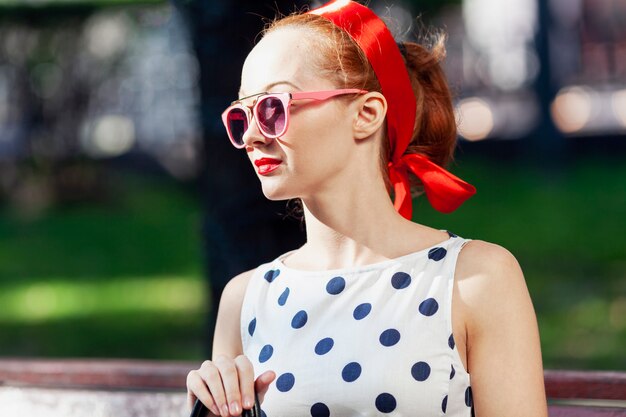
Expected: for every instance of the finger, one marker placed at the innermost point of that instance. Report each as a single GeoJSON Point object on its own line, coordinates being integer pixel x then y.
{"type": "Point", "coordinates": [197, 389]}
{"type": "Point", "coordinates": [191, 399]}
{"type": "Point", "coordinates": [211, 376]}
{"type": "Point", "coordinates": [230, 382]}
{"type": "Point", "coordinates": [263, 382]}
{"type": "Point", "coordinates": [245, 371]}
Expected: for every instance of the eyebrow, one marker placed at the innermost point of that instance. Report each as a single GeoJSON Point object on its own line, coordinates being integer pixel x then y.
{"type": "Point", "coordinates": [269, 86]}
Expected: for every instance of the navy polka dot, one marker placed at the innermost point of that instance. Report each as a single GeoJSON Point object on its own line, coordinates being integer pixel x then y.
{"type": "Point", "coordinates": [420, 371]}
{"type": "Point", "coordinates": [452, 372]}
{"type": "Point", "coordinates": [351, 372]}
{"type": "Point", "coordinates": [389, 337]}
{"type": "Point", "coordinates": [444, 404]}
{"type": "Point", "coordinates": [324, 346]}
{"type": "Point", "coordinates": [437, 254]}
{"type": "Point", "coordinates": [285, 382]}
{"type": "Point", "coordinates": [385, 403]}
{"type": "Point", "coordinates": [451, 342]}
{"type": "Point", "coordinates": [266, 353]}
{"type": "Point", "coordinates": [272, 274]}
{"type": "Point", "coordinates": [362, 310]}
{"type": "Point", "coordinates": [400, 280]}
{"type": "Point", "coordinates": [451, 234]}
{"type": "Point", "coordinates": [336, 285]}
{"type": "Point", "coordinates": [299, 319]}
{"type": "Point", "coordinates": [428, 307]}
{"type": "Point", "coordinates": [283, 297]}
{"type": "Point", "coordinates": [468, 397]}
{"type": "Point", "coordinates": [320, 410]}
{"type": "Point", "coordinates": [263, 413]}
{"type": "Point", "coordinates": [252, 326]}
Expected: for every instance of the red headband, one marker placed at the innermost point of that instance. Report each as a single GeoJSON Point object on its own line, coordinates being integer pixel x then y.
{"type": "Point", "coordinates": [445, 191]}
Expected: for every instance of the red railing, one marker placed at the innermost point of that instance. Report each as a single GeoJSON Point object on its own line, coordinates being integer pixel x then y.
{"type": "Point", "coordinates": [570, 393]}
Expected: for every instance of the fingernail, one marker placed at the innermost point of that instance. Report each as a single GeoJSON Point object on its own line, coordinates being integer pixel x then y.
{"type": "Point", "coordinates": [234, 408]}
{"type": "Point", "coordinates": [248, 402]}
{"type": "Point", "coordinates": [225, 410]}
{"type": "Point", "coordinates": [215, 410]}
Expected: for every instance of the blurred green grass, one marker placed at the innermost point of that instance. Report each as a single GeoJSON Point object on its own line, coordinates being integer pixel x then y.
{"type": "Point", "coordinates": [125, 279]}
{"type": "Point", "coordinates": [119, 279]}
{"type": "Point", "coordinates": [567, 230]}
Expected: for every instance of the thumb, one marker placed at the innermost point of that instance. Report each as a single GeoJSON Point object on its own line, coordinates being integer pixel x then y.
{"type": "Point", "coordinates": [263, 382]}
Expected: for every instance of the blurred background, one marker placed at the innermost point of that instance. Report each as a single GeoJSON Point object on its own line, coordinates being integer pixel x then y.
{"type": "Point", "coordinates": [122, 204]}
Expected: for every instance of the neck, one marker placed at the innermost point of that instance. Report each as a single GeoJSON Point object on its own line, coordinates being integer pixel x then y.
{"type": "Point", "coordinates": [352, 227]}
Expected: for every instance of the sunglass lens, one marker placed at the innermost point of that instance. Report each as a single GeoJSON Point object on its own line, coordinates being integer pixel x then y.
{"type": "Point", "coordinates": [271, 116]}
{"type": "Point", "coordinates": [237, 125]}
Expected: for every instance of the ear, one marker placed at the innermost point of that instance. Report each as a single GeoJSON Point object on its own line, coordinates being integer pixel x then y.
{"type": "Point", "coordinates": [370, 116]}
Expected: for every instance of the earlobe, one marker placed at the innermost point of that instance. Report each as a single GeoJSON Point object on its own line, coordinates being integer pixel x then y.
{"type": "Point", "coordinates": [370, 115]}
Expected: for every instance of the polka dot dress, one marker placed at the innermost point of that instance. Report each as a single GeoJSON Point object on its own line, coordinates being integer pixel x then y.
{"type": "Point", "coordinates": [372, 340]}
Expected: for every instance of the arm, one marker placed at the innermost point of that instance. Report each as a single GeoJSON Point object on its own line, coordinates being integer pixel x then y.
{"type": "Point", "coordinates": [227, 337]}
{"type": "Point", "coordinates": [503, 349]}
{"type": "Point", "coordinates": [226, 383]}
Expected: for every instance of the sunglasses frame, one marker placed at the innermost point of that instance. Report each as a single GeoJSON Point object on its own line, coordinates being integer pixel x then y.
{"type": "Point", "coordinates": [285, 99]}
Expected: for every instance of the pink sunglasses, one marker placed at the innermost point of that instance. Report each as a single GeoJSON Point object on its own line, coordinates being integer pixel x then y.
{"type": "Point", "coordinates": [271, 112]}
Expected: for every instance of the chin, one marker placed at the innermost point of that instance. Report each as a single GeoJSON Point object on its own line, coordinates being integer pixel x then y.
{"type": "Point", "coordinates": [276, 194]}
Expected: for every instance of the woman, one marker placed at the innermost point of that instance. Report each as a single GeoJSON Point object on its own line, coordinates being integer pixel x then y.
{"type": "Point", "coordinates": [374, 314]}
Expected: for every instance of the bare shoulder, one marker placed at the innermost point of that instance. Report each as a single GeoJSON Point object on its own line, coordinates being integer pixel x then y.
{"type": "Point", "coordinates": [486, 257]}
{"type": "Point", "coordinates": [488, 266]}
{"type": "Point", "coordinates": [227, 339]}
{"type": "Point", "coordinates": [236, 287]}
{"type": "Point", "coordinates": [489, 280]}
{"type": "Point", "coordinates": [501, 332]}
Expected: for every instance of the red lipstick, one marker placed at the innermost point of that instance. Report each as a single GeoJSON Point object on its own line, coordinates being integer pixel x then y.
{"type": "Point", "coordinates": [267, 165]}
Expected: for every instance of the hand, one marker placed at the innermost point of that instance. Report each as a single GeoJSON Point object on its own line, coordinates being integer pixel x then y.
{"type": "Point", "coordinates": [226, 386]}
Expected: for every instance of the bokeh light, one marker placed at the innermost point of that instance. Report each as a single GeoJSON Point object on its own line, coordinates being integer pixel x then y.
{"type": "Point", "coordinates": [571, 109]}
{"type": "Point", "coordinates": [619, 106]}
{"type": "Point", "coordinates": [475, 117]}
{"type": "Point", "coordinates": [107, 34]}
{"type": "Point", "coordinates": [110, 136]}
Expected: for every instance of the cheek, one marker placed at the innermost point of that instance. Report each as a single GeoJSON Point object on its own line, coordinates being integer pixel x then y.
{"type": "Point", "coordinates": [326, 127]}
{"type": "Point", "coordinates": [322, 148]}
{"type": "Point", "coordinates": [335, 135]}
{"type": "Point", "coordinates": [318, 142]}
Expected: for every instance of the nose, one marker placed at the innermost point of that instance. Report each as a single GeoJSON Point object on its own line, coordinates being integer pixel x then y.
{"type": "Point", "coordinates": [253, 136]}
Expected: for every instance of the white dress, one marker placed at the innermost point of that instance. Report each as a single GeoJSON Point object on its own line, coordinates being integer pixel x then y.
{"type": "Point", "coordinates": [369, 340]}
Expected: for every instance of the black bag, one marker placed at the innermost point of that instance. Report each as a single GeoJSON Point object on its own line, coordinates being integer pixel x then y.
{"type": "Point", "coordinates": [200, 410]}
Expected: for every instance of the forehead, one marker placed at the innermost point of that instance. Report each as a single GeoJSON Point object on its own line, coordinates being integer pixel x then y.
{"type": "Point", "coordinates": [284, 54]}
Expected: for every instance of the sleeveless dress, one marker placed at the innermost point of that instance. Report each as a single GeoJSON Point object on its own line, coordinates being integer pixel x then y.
{"type": "Point", "coordinates": [370, 340]}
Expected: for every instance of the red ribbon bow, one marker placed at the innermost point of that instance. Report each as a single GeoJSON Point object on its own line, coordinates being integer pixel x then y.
{"type": "Point", "coordinates": [444, 191]}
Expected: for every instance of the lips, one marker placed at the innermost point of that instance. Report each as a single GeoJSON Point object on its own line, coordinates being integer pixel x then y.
{"type": "Point", "coordinates": [267, 165]}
